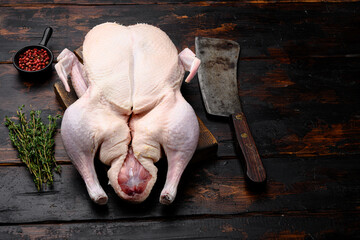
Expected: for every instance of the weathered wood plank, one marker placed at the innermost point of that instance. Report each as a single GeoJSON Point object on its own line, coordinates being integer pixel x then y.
{"type": "Point", "coordinates": [283, 30]}
{"type": "Point", "coordinates": [7, 3]}
{"type": "Point", "coordinates": [306, 107]}
{"type": "Point", "coordinates": [207, 188]}
{"type": "Point", "coordinates": [16, 90]}
{"type": "Point", "coordinates": [285, 226]}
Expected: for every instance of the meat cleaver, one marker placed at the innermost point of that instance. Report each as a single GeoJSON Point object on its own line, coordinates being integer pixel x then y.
{"type": "Point", "coordinates": [218, 84]}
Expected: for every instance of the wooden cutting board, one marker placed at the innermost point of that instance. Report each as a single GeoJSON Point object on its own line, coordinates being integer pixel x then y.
{"type": "Point", "coordinates": [207, 143]}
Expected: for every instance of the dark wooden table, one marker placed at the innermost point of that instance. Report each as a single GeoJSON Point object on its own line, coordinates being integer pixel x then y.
{"type": "Point", "coordinates": [299, 75]}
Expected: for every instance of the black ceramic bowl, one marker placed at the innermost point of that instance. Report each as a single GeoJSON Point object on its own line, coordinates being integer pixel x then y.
{"type": "Point", "coordinates": [42, 45]}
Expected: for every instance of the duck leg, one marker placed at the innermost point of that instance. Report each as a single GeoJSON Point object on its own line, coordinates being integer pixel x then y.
{"type": "Point", "coordinates": [181, 137]}
{"type": "Point", "coordinates": [80, 144]}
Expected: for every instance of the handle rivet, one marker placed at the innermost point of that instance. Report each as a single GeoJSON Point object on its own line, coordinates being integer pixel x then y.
{"type": "Point", "coordinates": [239, 117]}
{"type": "Point", "coordinates": [244, 135]}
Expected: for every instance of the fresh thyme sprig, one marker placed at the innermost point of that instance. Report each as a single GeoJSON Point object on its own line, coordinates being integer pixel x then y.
{"type": "Point", "coordinates": [35, 143]}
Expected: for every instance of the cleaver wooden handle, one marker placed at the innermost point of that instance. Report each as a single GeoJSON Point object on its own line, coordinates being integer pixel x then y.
{"type": "Point", "coordinates": [254, 167]}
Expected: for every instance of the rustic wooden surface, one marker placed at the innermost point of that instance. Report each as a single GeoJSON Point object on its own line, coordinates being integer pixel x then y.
{"type": "Point", "coordinates": [299, 78]}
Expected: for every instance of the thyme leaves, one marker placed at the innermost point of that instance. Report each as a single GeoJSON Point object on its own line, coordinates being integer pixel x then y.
{"type": "Point", "coordinates": [34, 141]}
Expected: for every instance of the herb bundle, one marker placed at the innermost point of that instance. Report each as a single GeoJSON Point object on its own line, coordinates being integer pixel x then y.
{"type": "Point", "coordinates": [35, 143]}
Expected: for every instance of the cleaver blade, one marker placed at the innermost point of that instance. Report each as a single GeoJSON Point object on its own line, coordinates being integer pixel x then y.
{"type": "Point", "coordinates": [217, 76]}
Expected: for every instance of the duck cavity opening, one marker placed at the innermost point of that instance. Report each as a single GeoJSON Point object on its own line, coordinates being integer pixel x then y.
{"type": "Point", "coordinates": [133, 177]}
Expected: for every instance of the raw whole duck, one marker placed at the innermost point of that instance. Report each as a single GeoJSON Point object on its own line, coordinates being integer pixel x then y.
{"type": "Point", "coordinates": [129, 109]}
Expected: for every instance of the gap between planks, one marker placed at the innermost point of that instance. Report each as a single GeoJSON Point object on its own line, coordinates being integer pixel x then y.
{"type": "Point", "coordinates": [298, 213]}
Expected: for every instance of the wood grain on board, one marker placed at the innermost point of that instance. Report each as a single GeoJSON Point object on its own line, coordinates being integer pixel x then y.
{"type": "Point", "coordinates": [217, 187]}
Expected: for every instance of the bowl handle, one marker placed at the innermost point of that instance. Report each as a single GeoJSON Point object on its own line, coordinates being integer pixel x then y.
{"type": "Point", "coordinates": [47, 34]}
